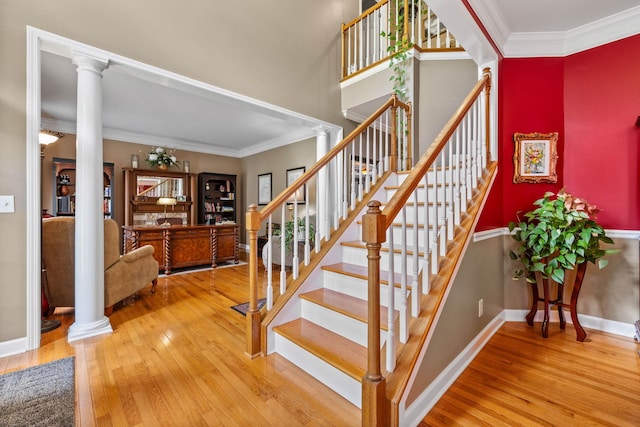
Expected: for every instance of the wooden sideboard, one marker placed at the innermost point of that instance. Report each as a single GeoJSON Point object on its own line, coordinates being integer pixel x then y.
{"type": "Point", "coordinates": [181, 246]}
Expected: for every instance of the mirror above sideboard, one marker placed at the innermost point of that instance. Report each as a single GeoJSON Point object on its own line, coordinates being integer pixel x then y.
{"type": "Point", "coordinates": [155, 185]}
{"type": "Point", "coordinates": [143, 188]}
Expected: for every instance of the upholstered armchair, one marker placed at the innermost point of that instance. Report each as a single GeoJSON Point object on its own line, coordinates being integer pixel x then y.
{"type": "Point", "coordinates": [123, 275]}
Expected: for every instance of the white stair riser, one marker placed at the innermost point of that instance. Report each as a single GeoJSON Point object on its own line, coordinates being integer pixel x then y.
{"type": "Point", "coordinates": [357, 288]}
{"type": "Point", "coordinates": [358, 256]}
{"type": "Point", "coordinates": [397, 236]}
{"type": "Point", "coordinates": [410, 214]}
{"type": "Point", "coordinates": [340, 324]}
{"type": "Point", "coordinates": [333, 378]}
{"type": "Point", "coordinates": [449, 194]}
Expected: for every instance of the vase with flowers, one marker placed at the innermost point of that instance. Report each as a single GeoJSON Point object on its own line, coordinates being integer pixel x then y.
{"type": "Point", "coordinates": [162, 158]}
{"type": "Point", "coordinates": [556, 240]}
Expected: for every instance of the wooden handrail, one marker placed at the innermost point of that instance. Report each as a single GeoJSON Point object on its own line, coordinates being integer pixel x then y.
{"type": "Point", "coordinates": [399, 199]}
{"type": "Point", "coordinates": [393, 101]}
{"type": "Point", "coordinates": [364, 14]}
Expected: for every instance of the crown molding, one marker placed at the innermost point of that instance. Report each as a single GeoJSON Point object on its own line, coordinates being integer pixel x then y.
{"type": "Point", "coordinates": [155, 140]}
{"type": "Point", "coordinates": [554, 44]}
{"type": "Point", "coordinates": [493, 20]}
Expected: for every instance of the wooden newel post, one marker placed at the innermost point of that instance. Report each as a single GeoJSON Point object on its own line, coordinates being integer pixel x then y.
{"type": "Point", "coordinates": [375, 405]}
{"type": "Point", "coordinates": [253, 315]}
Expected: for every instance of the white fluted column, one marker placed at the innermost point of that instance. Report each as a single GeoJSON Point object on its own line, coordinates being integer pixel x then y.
{"type": "Point", "coordinates": [322, 208]}
{"type": "Point", "coordinates": [89, 230]}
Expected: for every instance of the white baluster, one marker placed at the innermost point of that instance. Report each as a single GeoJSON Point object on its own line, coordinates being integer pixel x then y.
{"type": "Point", "coordinates": [283, 272]}
{"type": "Point", "coordinates": [434, 222]}
{"type": "Point", "coordinates": [442, 209]}
{"type": "Point", "coordinates": [295, 249]}
{"type": "Point", "coordinates": [358, 172]}
{"type": "Point", "coordinates": [391, 295]}
{"type": "Point", "coordinates": [426, 242]}
{"type": "Point", "coordinates": [450, 203]}
{"type": "Point", "coordinates": [404, 329]}
{"type": "Point", "coordinates": [269, 265]}
{"type": "Point", "coordinates": [415, 293]}
{"type": "Point", "coordinates": [456, 177]}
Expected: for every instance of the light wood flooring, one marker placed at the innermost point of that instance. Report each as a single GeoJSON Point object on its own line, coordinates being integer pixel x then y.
{"type": "Point", "coordinates": [176, 358]}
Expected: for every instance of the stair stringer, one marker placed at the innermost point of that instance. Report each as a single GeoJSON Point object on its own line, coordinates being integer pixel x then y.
{"type": "Point", "coordinates": [411, 355]}
{"type": "Point", "coordinates": [311, 278]}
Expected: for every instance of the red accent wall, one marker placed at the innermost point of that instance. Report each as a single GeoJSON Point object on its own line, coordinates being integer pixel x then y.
{"type": "Point", "coordinates": [602, 103]}
{"type": "Point", "coordinates": [530, 100]}
{"type": "Point", "coordinates": [592, 99]}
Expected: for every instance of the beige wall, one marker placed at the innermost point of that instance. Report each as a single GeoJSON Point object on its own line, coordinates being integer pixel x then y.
{"type": "Point", "coordinates": [287, 55]}
{"type": "Point", "coordinates": [442, 88]}
{"type": "Point", "coordinates": [479, 276]}
{"type": "Point", "coordinates": [276, 162]}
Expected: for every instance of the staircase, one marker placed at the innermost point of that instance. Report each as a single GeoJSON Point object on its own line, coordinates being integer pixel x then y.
{"type": "Point", "coordinates": [329, 338]}
{"type": "Point", "coordinates": [356, 311]}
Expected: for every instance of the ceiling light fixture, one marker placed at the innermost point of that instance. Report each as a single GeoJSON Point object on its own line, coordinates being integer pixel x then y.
{"type": "Point", "coordinates": [48, 136]}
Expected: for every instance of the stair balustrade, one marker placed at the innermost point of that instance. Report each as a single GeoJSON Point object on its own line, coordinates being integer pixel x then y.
{"type": "Point", "coordinates": [435, 194]}
{"type": "Point", "coordinates": [339, 181]}
{"type": "Point", "coordinates": [364, 46]}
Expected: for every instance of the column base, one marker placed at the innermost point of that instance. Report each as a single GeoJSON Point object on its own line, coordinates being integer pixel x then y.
{"type": "Point", "coordinates": [78, 331]}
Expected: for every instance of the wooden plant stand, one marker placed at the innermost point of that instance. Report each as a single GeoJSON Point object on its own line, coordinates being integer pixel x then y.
{"type": "Point", "coordinates": [558, 302]}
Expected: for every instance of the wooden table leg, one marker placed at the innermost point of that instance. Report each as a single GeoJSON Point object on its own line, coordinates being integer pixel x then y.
{"type": "Point", "coordinates": [545, 321]}
{"type": "Point", "coordinates": [560, 304]}
{"type": "Point", "coordinates": [580, 332]}
{"type": "Point", "coordinates": [534, 303]}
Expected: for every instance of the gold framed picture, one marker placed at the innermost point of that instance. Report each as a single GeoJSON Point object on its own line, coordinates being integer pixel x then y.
{"type": "Point", "coordinates": [535, 157]}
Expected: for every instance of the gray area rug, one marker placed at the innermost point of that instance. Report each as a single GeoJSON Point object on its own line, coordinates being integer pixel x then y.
{"type": "Point", "coordinates": [42, 395]}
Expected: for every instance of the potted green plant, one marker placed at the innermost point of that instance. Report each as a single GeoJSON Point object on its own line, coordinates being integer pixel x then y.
{"type": "Point", "coordinates": [559, 234]}
{"type": "Point", "coordinates": [289, 230]}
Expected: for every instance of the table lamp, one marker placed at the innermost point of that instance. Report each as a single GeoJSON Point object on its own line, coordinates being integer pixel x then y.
{"type": "Point", "coordinates": [166, 201]}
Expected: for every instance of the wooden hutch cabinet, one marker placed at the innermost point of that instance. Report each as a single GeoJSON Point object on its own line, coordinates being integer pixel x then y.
{"type": "Point", "coordinates": [176, 237]}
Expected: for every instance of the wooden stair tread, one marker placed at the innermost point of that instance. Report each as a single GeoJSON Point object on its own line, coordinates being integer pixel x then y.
{"type": "Point", "coordinates": [360, 272]}
{"type": "Point", "coordinates": [339, 352]}
{"type": "Point", "coordinates": [353, 307]}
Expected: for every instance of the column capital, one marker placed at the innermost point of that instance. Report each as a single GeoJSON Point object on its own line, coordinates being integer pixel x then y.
{"type": "Point", "coordinates": [321, 130]}
{"type": "Point", "coordinates": [89, 61]}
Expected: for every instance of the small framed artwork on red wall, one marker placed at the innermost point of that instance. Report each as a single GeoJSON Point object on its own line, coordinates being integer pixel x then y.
{"type": "Point", "coordinates": [535, 157]}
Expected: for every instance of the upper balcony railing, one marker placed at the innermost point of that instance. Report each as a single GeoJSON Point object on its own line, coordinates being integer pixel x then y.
{"type": "Point", "coordinates": [368, 39]}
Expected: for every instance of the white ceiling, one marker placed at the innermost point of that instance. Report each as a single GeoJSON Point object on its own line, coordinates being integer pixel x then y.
{"type": "Point", "coordinates": [149, 106]}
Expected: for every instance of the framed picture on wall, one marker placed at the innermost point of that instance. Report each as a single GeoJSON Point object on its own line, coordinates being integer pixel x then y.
{"type": "Point", "coordinates": [264, 188]}
{"type": "Point", "coordinates": [292, 175]}
{"type": "Point", "coordinates": [535, 157]}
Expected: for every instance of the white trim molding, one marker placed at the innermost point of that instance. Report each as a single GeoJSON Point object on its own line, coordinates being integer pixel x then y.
{"type": "Point", "coordinates": [430, 396]}
{"type": "Point", "coordinates": [554, 43]}
{"type": "Point", "coordinates": [590, 322]}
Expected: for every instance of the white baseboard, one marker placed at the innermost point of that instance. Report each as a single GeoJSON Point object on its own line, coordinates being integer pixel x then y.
{"type": "Point", "coordinates": [9, 348]}
{"type": "Point", "coordinates": [430, 396]}
{"type": "Point", "coordinates": [591, 322]}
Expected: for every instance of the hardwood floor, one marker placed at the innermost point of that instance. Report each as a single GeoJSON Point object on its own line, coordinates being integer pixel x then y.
{"type": "Point", "coordinates": [176, 358]}
{"type": "Point", "coordinates": [522, 379]}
